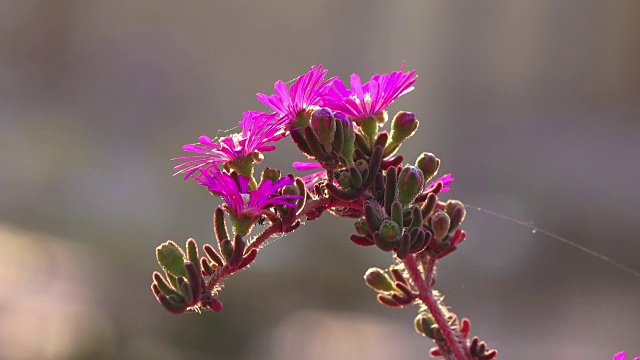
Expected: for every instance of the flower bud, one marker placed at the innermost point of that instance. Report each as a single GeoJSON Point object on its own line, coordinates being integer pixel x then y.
{"type": "Point", "coordinates": [440, 223]}
{"type": "Point", "coordinates": [271, 174]}
{"type": "Point", "coordinates": [344, 179]}
{"type": "Point", "coordinates": [456, 211]}
{"type": "Point", "coordinates": [290, 189]}
{"type": "Point", "coordinates": [426, 325]}
{"type": "Point", "coordinates": [410, 184]}
{"type": "Point", "coordinates": [378, 280]}
{"type": "Point", "coordinates": [404, 125]}
{"type": "Point", "coordinates": [429, 164]}
{"type": "Point", "coordinates": [171, 258]}
{"type": "Point", "coordinates": [390, 230]}
{"type": "Point", "coordinates": [324, 126]}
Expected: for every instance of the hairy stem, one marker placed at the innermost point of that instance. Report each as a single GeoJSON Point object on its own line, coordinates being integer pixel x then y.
{"type": "Point", "coordinates": [425, 294]}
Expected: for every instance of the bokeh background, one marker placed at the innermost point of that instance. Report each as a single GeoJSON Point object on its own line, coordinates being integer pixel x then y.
{"type": "Point", "coordinates": [533, 105]}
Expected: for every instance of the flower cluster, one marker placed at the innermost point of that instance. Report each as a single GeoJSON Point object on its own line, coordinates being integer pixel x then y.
{"type": "Point", "coordinates": [356, 174]}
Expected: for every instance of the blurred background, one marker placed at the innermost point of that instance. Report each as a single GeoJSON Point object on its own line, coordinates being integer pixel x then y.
{"type": "Point", "coordinates": [533, 105]}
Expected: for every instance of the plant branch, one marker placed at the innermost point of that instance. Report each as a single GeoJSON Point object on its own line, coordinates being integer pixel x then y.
{"type": "Point", "coordinates": [280, 227]}
{"type": "Point", "coordinates": [425, 294]}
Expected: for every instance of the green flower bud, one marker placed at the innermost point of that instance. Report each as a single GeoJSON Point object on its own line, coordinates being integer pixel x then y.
{"type": "Point", "coordinates": [290, 189]}
{"type": "Point", "coordinates": [324, 126]}
{"type": "Point", "coordinates": [426, 325]}
{"type": "Point", "coordinates": [440, 223]}
{"type": "Point", "coordinates": [171, 258]}
{"type": "Point", "coordinates": [456, 211]}
{"type": "Point", "coordinates": [344, 179]}
{"type": "Point", "coordinates": [410, 184]}
{"type": "Point", "coordinates": [271, 174]}
{"type": "Point", "coordinates": [429, 164]}
{"type": "Point", "coordinates": [404, 125]}
{"type": "Point", "coordinates": [390, 230]}
{"type": "Point", "coordinates": [379, 281]}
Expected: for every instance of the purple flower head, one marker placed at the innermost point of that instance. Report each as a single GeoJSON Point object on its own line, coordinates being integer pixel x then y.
{"type": "Point", "coordinates": [258, 129]}
{"type": "Point", "coordinates": [313, 178]}
{"type": "Point", "coordinates": [363, 101]}
{"type": "Point", "coordinates": [622, 356]}
{"type": "Point", "coordinates": [306, 92]}
{"type": "Point", "coordinates": [242, 203]}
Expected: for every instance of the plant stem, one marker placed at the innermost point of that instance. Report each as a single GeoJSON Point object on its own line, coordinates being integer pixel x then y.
{"type": "Point", "coordinates": [425, 294]}
{"type": "Point", "coordinates": [280, 227]}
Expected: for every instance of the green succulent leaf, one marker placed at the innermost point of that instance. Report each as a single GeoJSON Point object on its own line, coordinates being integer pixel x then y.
{"type": "Point", "coordinates": [171, 258]}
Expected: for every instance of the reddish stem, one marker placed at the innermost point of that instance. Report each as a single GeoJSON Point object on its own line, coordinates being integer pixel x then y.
{"type": "Point", "coordinates": [280, 227]}
{"type": "Point", "coordinates": [425, 294]}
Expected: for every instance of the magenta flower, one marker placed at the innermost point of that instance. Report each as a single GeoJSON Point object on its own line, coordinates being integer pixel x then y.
{"type": "Point", "coordinates": [244, 206]}
{"type": "Point", "coordinates": [622, 356]}
{"type": "Point", "coordinates": [258, 129]}
{"type": "Point", "coordinates": [445, 180]}
{"type": "Point", "coordinates": [306, 92]}
{"type": "Point", "coordinates": [310, 179]}
{"type": "Point", "coordinates": [363, 101]}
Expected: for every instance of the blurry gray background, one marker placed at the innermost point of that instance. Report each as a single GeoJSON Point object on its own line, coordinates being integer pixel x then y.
{"type": "Point", "coordinates": [533, 105]}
